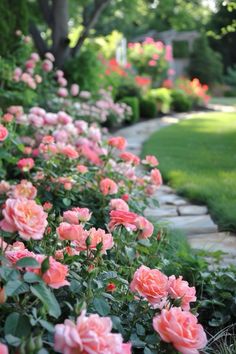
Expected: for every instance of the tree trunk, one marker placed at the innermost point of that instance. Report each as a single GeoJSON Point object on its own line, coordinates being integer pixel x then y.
{"type": "Point", "coordinates": [60, 18]}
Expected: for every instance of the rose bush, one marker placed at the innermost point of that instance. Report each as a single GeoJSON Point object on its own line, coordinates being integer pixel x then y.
{"type": "Point", "coordinates": [73, 238]}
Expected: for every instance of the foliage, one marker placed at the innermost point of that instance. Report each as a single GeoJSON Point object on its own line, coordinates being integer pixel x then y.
{"type": "Point", "coordinates": [180, 101]}
{"type": "Point", "coordinates": [196, 91]}
{"type": "Point", "coordinates": [203, 57]}
{"type": "Point", "coordinates": [162, 97]}
{"type": "Point", "coordinates": [205, 171]}
{"type": "Point", "coordinates": [133, 103]}
{"type": "Point", "coordinates": [230, 77]}
{"type": "Point", "coordinates": [148, 107]}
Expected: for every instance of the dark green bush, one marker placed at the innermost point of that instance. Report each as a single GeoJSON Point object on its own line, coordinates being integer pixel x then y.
{"type": "Point", "coordinates": [205, 63]}
{"type": "Point", "coordinates": [133, 102]}
{"type": "Point", "coordinates": [127, 90]}
{"type": "Point", "coordinates": [180, 101]}
{"type": "Point", "coordinates": [85, 69]}
{"type": "Point", "coordinates": [148, 108]}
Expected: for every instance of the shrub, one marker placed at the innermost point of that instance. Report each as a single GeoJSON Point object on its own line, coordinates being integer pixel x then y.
{"type": "Point", "coordinates": [148, 108]}
{"type": "Point", "coordinates": [205, 63]}
{"type": "Point", "coordinates": [181, 102]}
{"type": "Point", "coordinates": [162, 96]}
{"type": "Point", "coordinates": [127, 90]}
{"type": "Point", "coordinates": [133, 103]}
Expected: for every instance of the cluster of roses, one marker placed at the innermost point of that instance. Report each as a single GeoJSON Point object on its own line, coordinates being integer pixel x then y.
{"type": "Point", "coordinates": [79, 149]}
{"type": "Point", "coordinates": [195, 89]}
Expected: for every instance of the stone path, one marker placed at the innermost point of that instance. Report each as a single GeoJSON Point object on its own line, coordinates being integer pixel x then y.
{"type": "Point", "coordinates": [194, 220]}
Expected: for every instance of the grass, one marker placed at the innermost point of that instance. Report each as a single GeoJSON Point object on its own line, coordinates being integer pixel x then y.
{"type": "Point", "coordinates": [198, 158]}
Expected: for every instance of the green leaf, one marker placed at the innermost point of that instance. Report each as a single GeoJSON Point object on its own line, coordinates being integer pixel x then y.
{"type": "Point", "coordinates": [27, 262]}
{"type": "Point", "coordinates": [47, 325]}
{"type": "Point", "coordinates": [17, 325]}
{"type": "Point", "coordinates": [136, 341]}
{"type": "Point", "coordinates": [30, 277]}
{"type": "Point", "coordinates": [45, 265]}
{"type": "Point", "coordinates": [101, 306]}
{"type": "Point", "coordinates": [48, 299]}
{"type": "Point", "coordinates": [66, 201]}
{"type": "Point", "coordinates": [12, 340]}
{"type": "Point", "coordinates": [16, 287]}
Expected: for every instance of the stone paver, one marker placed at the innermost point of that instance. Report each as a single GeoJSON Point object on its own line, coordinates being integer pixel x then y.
{"type": "Point", "coordinates": [192, 210]}
{"type": "Point", "coordinates": [176, 211]}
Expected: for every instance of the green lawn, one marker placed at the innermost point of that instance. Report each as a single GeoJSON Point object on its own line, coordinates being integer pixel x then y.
{"type": "Point", "coordinates": [198, 158]}
{"type": "Point", "coordinates": [227, 101]}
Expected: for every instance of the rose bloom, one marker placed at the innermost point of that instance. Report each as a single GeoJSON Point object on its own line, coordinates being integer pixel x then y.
{"type": "Point", "coordinates": [4, 187]}
{"type": "Point", "coordinates": [14, 255]}
{"type": "Point", "coordinates": [181, 329]}
{"type": "Point", "coordinates": [3, 133]}
{"type": "Point", "coordinates": [26, 164]}
{"type": "Point", "coordinates": [151, 284]}
{"type": "Point", "coordinates": [69, 151]}
{"type": "Point", "coordinates": [118, 204]}
{"type": "Point", "coordinates": [108, 186]}
{"type": "Point", "coordinates": [125, 218]}
{"type": "Point", "coordinates": [62, 92]}
{"type": "Point", "coordinates": [91, 334]}
{"type": "Point", "coordinates": [24, 216]}
{"type": "Point", "coordinates": [24, 189]}
{"type": "Point", "coordinates": [145, 226]}
{"type": "Point", "coordinates": [47, 65]}
{"type": "Point", "coordinates": [7, 117]}
{"type": "Point", "coordinates": [96, 236]}
{"type": "Point", "coordinates": [74, 90]}
{"type": "Point", "coordinates": [70, 232]}
{"type": "Point", "coordinates": [82, 169]}
{"type": "Point", "coordinates": [180, 289]}
{"type": "Point", "coordinates": [118, 142]}
{"type": "Point", "coordinates": [76, 215]}
{"type": "Point", "coordinates": [47, 206]}
{"type": "Point", "coordinates": [156, 177]}
{"type": "Point", "coordinates": [55, 276]}
{"type": "Point", "coordinates": [129, 157]}
{"type": "Point", "coordinates": [3, 349]}
{"type": "Point", "coordinates": [150, 160]}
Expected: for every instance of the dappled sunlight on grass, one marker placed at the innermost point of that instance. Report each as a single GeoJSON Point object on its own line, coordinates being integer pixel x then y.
{"type": "Point", "coordinates": [198, 158]}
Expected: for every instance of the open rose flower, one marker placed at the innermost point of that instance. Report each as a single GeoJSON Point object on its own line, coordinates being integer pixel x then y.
{"type": "Point", "coordinates": [118, 204]}
{"type": "Point", "coordinates": [69, 151]}
{"type": "Point", "coordinates": [125, 218]}
{"type": "Point", "coordinates": [77, 215]}
{"type": "Point", "coordinates": [71, 232]}
{"type": "Point", "coordinates": [3, 349]}
{"type": "Point", "coordinates": [24, 189]}
{"type": "Point", "coordinates": [145, 226]}
{"type": "Point", "coordinates": [89, 335]}
{"type": "Point", "coordinates": [156, 177]}
{"type": "Point", "coordinates": [55, 276]}
{"type": "Point", "coordinates": [3, 133]}
{"type": "Point", "coordinates": [181, 329]}
{"type": "Point", "coordinates": [180, 289]}
{"type": "Point", "coordinates": [130, 158]}
{"type": "Point", "coordinates": [25, 165]}
{"type": "Point", "coordinates": [151, 284]}
{"type": "Point", "coordinates": [118, 142]}
{"type": "Point", "coordinates": [108, 186]}
{"type": "Point", "coordinates": [96, 236]}
{"type": "Point", "coordinates": [151, 161]}
{"type": "Point", "coordinates": [24, 216]}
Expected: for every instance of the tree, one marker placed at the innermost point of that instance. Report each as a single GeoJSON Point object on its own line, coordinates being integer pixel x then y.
{"type": "Point", "coordinates": [55, 14]}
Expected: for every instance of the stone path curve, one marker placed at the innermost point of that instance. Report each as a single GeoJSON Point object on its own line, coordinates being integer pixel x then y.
{"type": "Point", "coordinates": [194, 220]}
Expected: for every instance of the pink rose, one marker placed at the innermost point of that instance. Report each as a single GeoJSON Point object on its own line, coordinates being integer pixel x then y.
{"type": "Point", "coordinates": [24, 216]}
{"type": "Point", "coordinates": [3, 133]}
{"type": "Point", "coordinates": [156, 177]}
{"type": "Point", "coordinates": [96, 236]}
{"type": "Point", "coordinates": [82, 169]}
{"type": "Point", "coordinates": [90, 334]}
{"type": "Point", "coordinates": [118, 142]}
{"type": "Point", "coordinates": [24, 189]}
{"type": "Point", "coordinates": [55, 276]}
{"type": "Point", "coordinates": [4, 187]}
{"type": "Point", "coordinates": [3, 349]}
{"type": "Point", "coordinates": [62, 92]}
{"type": "Point", "coordinates": [74, 90]}
{"type": "Point", "coordinates": [14, 255]}
{"type": "Point", "coordinates": [150, 160]}
{"type": "Point", "coordinates": [76, 215]}
{"type": "Point", "coordinates": [129, 157]}
{"type": "Point", "coordinates": [179, 289]}
{"type": "Point", "coordinates": [47, 65]}
{"type": "Point", "coordinates": [49, 56]}
{"type": "Point", "coordinates": [26, 164]}
{"type": "Point", "coordinates": [125, 218]}
{"type": "Point", "coordinates": [69, 151]}
{"type": "Point", "coordinates": [70, 232]}
{"type": "Point", "coordinates": [145, 226]}
{"type": "Point", "coordinates": [108, 186]}
{"type": "Point", "coordinates": [118, 204]}
{"type": "Point", "coordinates": [181, 329]}
{"type": "Point", "coordinates": [151, 284]}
